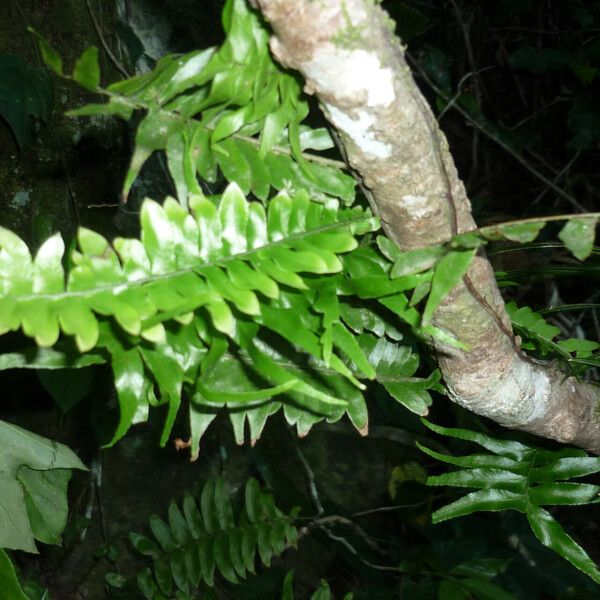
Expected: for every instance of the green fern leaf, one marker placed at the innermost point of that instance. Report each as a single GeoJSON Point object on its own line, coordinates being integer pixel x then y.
{"type": "Point", "coordinates": [206, 538]}
{"type": "Point", "coordinates": [212, 263]}
{"type": "Point", "coordinates": [232, 109]}
{"type": "Point", "coordinates": [515, 476]}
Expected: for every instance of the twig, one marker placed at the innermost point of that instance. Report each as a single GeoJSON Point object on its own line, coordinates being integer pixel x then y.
{"type": "Point", "coordinates": [450, 103]}
{"type": "Point", "coordinates": [332, 162]}
{"type": "Point", "coordinates": [311, 479]}
{"type": "Point", "coordinates": [548, 219]}
{"type": "Point", "coordinates": [384, 509]}
{"type": "Point", "coordinates": [465, 28]}
{"type": "Point", "coordinates": [491, 136]}
{"type": "Point", "coordinates": [559, 176]}
{"type": "Point", "coordinates": [115, 61]}
{"type": "Point", "coordinates": [344, 542]}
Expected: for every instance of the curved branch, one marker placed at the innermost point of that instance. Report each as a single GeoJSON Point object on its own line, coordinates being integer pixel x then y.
{"type": "Point", "coordinates": [351, 60]}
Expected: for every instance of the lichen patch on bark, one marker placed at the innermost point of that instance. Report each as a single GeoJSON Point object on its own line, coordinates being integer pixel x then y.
{"type": "Point", "coordinates": [351, 75]}
{"type": "Point", "coordinates": [359, 129]}
{"type": "Point", "coordinates": [417, 206]}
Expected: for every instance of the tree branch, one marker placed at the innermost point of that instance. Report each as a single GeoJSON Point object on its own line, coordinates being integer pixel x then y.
{"type": "Point", "coordinates": [353, 63]}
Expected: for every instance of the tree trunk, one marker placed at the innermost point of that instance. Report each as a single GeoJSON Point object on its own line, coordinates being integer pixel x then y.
{"type": "Point", "coordinates": [351, 60]}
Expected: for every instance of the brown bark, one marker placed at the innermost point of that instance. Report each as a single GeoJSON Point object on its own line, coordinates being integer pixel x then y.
{"type": "Point", "coordinates": [353, 63]}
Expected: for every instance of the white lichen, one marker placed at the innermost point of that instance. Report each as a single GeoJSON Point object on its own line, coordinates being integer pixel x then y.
{"type": "Point", "coordinates": [417, 206]}
{"type": "Point", "coordinates": [359, 130]}
{"type": "Point", "coordinates": [351, 75]}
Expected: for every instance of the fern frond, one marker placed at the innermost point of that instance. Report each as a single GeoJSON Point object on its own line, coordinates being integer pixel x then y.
{"type": "Point", "coordinates": [203, 537]}
{"type": "Point", "coordinates": [231, 109]}
{"type": "Point", "coordinates": [216, 267]}
{"type": "Point", "coordinates": [214, 257]}
{"type": "Point", "coordinates": [516, 476]}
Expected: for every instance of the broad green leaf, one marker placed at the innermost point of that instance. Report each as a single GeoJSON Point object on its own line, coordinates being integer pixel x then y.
{"type": "Point", "coordinates": [566, 468]}
{"type": "Point", "coordinates": [521, 232]}
{"type": "Point", "coordinates": [561, 493]}
{"type": "Point", "coordinates": [395, 366]}
{"type": "Point", "coordinates": [76, 318]}
{"type": "Point", "coordinates": [193, 516]}
{"type": "Point", "coordinates": [482, 500]}
{"type": "Point", "coordinates": [273, 128]}
{"type": "Point", "coordinates": [287, 591]}
{"type": "Point", "coordinates": [192, 565]}
{"type": "Point", "coordinates": [144, 545]}
{"type": "Point", "coordinates": [223, 558]}
{"type": "Point", "coordinates": [163, 533]}
{"type": "Point", "coordinates": [481, 567]}
{"type": "Point", "coordinates": [259, 176]}
{"type": "Point", "coordinates": [23, 494]}
{"type": "Point", "coordinates": [152, 134]}
{"type": "Point", "coordinates": [583, 348]}
{"type": "Point", "coordinates": [236, 537]}
{"type": "Point", "coordinates": [168, 374]}
{"type": "Point", "coordinates": [233, 211]}
{"type": "Point", "coordinates": [244, 276]}
{"type": "Point", "coordinates": [10, 588]}
{"type": "Point", "coordinates": [188, 72]}
{"type": "Point", "coordinates": [231, 122]}
{"type": "Point", "coordinates": [244, 300]}
{"type": "Point", "coordinates": [323, 592]}
{"type": "Point", "coordinates": [448, 272]}
{"type": "Point", "coordinates": [223, 505]}
{"type": "Point", "coordinates": [551, 534]}
{"type": "Point", "coordinates": [130, 383]}
{"type": "Point", "coordinates": [416, 261]}
{"type": "Point", "coordinates": [207, 560]}
{"type": "Point", "coordinates": [413, 395]}
{"type": "Point", "coordinates": [451, 590]}
{"type": "Point", "coordinates": [504, 447]}
{"type": "Point", "coordinates": [178, 570]}
{"type": "Point", "coordinates": [278, 221]}
{"type": "Point", "coordinates": [45, 495]}
{"type": "Point", "coordinates": [252, 500]}
{"type": "Point", "coordinates": [26, 94]}
{"type": "Point", "coordinates": [164, 578]}
{"type": "Point", "coordinates": [40, 322]}
{"type": "Point", "coordinates": [578, 236]}
{"type": "Point", "coordinates": [481, 478]}
{"type": "Point", "coordinates": [315, 139]}
{"type": "Point", "coordinates": [534, 330]}
{"type": "Point", "coordinates": [178, 524]}
{"type": "Point", "coordinates": [207, 507]}
{"type": "Point", "coordinates": [87, 70]}
{"type": "Point", "coordinates": [146, 583]}
{"type": "Point", "coordinates": [51, 58]}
